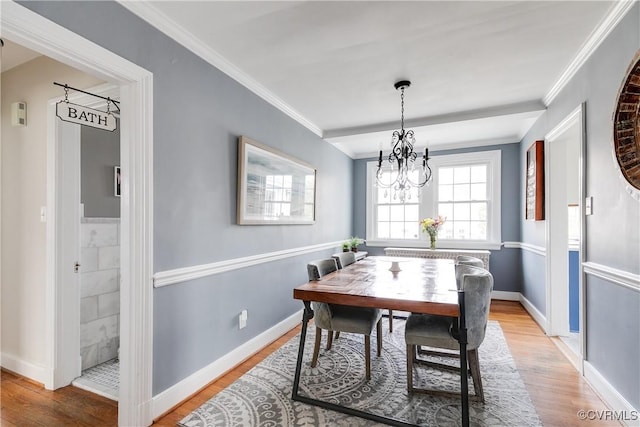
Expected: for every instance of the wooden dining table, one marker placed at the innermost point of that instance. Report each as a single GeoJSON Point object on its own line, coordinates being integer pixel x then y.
{"type": "Point", "coordinates": [420, 286]}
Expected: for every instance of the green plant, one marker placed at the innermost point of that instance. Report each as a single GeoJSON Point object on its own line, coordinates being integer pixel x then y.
{"type": "Point", "coordinates": [355, 241]}
{"type": "Point", "coordinates": [346, 245]}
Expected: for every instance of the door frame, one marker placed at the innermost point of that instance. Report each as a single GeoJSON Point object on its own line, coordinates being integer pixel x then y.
{"type": "Point", "coordinates": [37, 33]}
{"type": "Point", "coordinates": [557, 305]}
{"type": "Point", "coordinates": [63, 233]}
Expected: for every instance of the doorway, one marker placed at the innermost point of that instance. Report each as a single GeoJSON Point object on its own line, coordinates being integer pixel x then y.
{"type": "Point", "coordinates": [37, 33]}
{"type": "Point", "coordinates": [564, 187]}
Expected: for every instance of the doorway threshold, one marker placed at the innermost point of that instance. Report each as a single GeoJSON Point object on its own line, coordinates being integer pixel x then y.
{"type": "Point", "coordinates": [102, 379]}
{"type": "Point", "coordinates": [570, 348]}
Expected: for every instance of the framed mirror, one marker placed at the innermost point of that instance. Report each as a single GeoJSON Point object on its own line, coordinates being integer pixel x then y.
{"type": "Point", "coordinates": [273, 187]}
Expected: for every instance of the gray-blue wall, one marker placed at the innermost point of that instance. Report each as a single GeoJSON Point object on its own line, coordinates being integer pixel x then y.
{"type": "Point", "coordinates": [199, 113]}
{"type": "Point", "coordinates": [504, 264]}
{"type": "Point", "coordinates": [613, 231]}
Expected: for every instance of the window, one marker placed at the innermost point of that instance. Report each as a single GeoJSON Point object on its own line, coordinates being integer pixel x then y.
{"type": "Point", "coordinates": [465, 188]}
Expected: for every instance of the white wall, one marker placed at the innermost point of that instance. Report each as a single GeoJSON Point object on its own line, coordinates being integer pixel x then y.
{"type": "Point", "coordinates": [23, 179]}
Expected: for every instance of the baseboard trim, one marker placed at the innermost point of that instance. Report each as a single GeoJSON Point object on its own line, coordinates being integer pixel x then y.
{"type": "Point", "coordinates": [535, 313]}
{"type": "Point", "coordinates": [176, 394]}
{"type": "Point", "coordinates": [609, 395]}
{"type": "Point", "coordinates": [29, 370]}
{"type": "Point", "coordinates": [505, 295]}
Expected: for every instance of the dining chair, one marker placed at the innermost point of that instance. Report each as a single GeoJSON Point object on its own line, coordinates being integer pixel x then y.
{"type": "Point", "coordinates": [344, 259]}
{"type": "Point", "coordinates": [438, 332]}
{"type": "Point", "coordinates": [469, 260]}
{"type": "Point", "coordinates": [342, 318]}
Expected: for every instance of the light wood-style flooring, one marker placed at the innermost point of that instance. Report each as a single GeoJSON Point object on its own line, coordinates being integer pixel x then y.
{"type": "Point", "coordinates": [556, 389]}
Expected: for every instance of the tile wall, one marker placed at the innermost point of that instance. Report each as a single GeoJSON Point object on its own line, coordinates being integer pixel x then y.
{"type": "Point", "coordinates": [99, 290]}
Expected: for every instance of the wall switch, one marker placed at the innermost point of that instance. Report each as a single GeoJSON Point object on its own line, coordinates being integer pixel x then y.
{"type": "Point", "coordinates": [19, 114]}
{"type": "Point", "coordinates": [242, 319]}
{"type": "Point", "coordinates": [43, 214]}
{"type": "Point", "coordinates": [588, 205]}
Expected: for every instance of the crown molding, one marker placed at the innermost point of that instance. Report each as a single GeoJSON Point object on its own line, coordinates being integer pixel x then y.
{"type": "Point", "coordinates": [163, 23]}
{"type": "Point", "coordinates": [617, 12]}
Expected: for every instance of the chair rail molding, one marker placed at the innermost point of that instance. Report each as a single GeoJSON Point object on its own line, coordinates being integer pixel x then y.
{"type": "Point", "coordinates": [180, 275]}
{"type": "Point", "coordinates": [613, 275]}
{"type": "Point", "coordinates": [539, 250]}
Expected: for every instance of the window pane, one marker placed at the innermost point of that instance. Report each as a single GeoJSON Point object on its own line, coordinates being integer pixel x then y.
{"type": "Point", "coordinates": [479, 173]}
{"type": "Point", "coordinates": [445, 193]}
{"type": "Point", "coordinates": [461, 175]}
{"type": "Point", "coordinates": [383, 230]}
{"type": "Point", "coordinates": [461, 192]}
{"type": "Point", "coordinates": [478, 211]}
{"type": "Point", "coordinates": [412, 230]}
{"type": "Point", "coordinates": [397, 212]}
{"type": "Point", "coordinates": [478, 230]}
{"type": "Point", "coordinates": [445, 176]}
{"type": "Point", "coordinates": [383, 213]}
{"type": "Point", "coordinates": [479, 191]}
{"type": "Point", "coordinates": [446, 231]}
{"type": "Point", "coordinates": [411, 213]}
{"type": "Point", "coordinates": [461, 211]}
{"type": "Point", "coordinates": [396, 230]}
{"type": "Point", "coordinates": [446, 210]}
{"type": "Point", "coordinates": [381, 195]}
{"type": "Point", "coordinates": [461, 230]}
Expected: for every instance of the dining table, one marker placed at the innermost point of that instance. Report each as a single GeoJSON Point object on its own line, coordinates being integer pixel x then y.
{"type": "Point", "coordinates": [415, 285]}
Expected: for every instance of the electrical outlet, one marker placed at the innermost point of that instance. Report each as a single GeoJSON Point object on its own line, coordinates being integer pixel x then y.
{"type": "Point", "coordinates": [242, 319]}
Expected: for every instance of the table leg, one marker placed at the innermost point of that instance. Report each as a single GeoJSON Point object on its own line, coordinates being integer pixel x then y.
{"type": "Point", "coordinates": [462, 339]}
{"type": "Point", "coordinates": [306, 316]}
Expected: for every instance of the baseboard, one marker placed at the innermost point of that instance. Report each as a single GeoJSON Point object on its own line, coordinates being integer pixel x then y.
{"type": "Point", "coordinates": [610, 396]}
{"type": "Point", "coordinates": [535, 313]}
{"type": "Point", "coordinates": [21, 367]}
{"type": "Point", "coordinates": [168, 399]}
{"type": "Point", "coordinates": [505, 295]}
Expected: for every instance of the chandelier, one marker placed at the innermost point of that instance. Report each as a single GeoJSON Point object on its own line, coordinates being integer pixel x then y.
{"type": "Point", "coordinates": [400, 175]}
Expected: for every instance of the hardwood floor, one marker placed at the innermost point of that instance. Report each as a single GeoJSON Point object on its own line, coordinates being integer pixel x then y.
{"type": "Point", "coordinates": [556, 389]}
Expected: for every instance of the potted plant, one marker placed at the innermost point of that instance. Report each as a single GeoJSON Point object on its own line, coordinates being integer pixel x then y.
{"type": "Point", "coordinates": [345, 246]}
{"type": "Point", "coordinates": [354, 242]}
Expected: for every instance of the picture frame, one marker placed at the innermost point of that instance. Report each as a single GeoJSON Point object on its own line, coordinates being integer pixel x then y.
{"type": "Point", "coordinates": [534, 209]}
{"type": "Point", "coordinates": [273, 187]}
{"type": "Point", "coordinates": [116, 181]}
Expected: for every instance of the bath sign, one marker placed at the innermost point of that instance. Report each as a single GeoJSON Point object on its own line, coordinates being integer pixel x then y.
{"type": "Point", "coordinates": [86, 116]}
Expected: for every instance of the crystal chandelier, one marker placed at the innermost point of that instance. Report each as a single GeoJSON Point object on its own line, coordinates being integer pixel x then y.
{"type": "Point", "coordinates": [402, 160]}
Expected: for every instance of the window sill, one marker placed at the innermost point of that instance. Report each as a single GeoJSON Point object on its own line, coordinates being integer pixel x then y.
{"type": "Point", "coordinates": [424, 244]}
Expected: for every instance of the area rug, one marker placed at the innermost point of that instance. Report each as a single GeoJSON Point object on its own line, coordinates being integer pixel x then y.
{"type": "Point", "coordinates": [262, 396]}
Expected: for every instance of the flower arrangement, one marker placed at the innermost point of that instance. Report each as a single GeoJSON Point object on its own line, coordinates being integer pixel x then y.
{"type": "Point", "coordinates": [431, 226]}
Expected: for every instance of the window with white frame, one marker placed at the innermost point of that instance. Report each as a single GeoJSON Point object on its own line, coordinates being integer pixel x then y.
{"type": "Point", "coordinates": [465, 188]}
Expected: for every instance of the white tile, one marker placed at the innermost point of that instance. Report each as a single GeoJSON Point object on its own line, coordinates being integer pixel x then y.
{"type": "Point", "coordinates": [88, 309]}
{"type": "Point", "coordinates": [89, 356]}
{"type": "Point", "coordinates": [98, 331]}
{"type": "Point", "coordinates": [108, 350]}
{"type": "Point", "coordinates": [88, 259]}
{"type": "Point", "coordinates": [98, 282]}
{"type": "Point", "coordinates": [108, 257]}
{"type": "Point", "coordinates": [92, 235]}
{"type": "Point", "coordinates": [108, 304]}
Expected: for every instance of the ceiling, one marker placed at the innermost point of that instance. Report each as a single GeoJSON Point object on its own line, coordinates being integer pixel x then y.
{"type": "Point", "coordinates": [14, 55]}
{"type": "Point", "coordinates": [481, 71]}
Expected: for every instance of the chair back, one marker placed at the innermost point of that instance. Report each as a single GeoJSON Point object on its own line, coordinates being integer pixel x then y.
{"type": "Point", "coordinates": [344, 258]}
{"type": "Point", "coordinates": [322, 311]}
{"type": "Point", "coordinates": [321, 267]}
{"type": "Point", "coordinates": [469, 260]}
{"type": "Point", "coordinates": [477, 284]}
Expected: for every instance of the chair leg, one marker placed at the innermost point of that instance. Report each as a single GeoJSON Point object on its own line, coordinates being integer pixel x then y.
{"type": "Point", "coordinates": [379, 336]}
{"type": "Point", "coordinates": [474, 366]}
{"type": "Point", "coordinates": [316, 347]}
{"type": "Point", "coordinates": [390, 321]}
{"type": "Point", "coordinates": [367, 356]}
{"type": "Point", "coordinates": [329, 340]}
{"type": "Point", "coordinates": [410, 357]}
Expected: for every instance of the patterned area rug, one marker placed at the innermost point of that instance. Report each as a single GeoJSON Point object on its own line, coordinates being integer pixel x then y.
{"type": "Point", "coordinates": [262, 397]}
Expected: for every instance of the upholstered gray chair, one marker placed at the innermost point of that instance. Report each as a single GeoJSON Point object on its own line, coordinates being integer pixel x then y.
{"type": "Point", "coordinates": [335, 317]}
{"type": "Point", "coordinates": [469, 260]}
{"type": "Point", "coordinates": [437, 331]}
{"type": "Point", "coordinates": [344, 259]}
